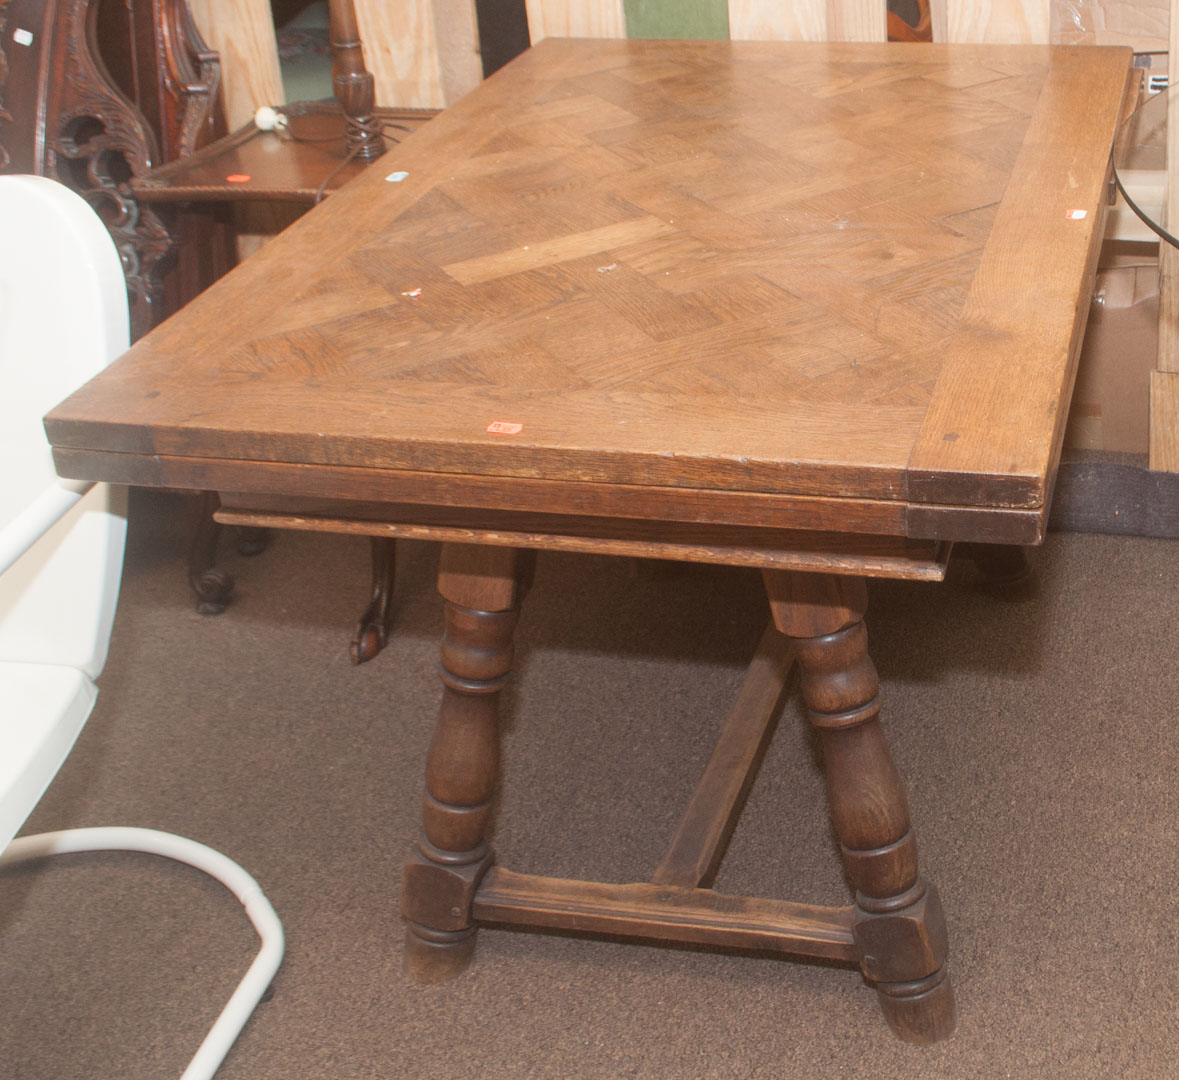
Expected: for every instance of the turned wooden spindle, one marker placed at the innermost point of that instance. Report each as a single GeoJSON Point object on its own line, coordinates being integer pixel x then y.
{"type": "Point", "coordinates": [352, 83]}
{"type": "Point", "coordinates": [899, 927]}
{"type": "Point", "coordinates": [481, 587]}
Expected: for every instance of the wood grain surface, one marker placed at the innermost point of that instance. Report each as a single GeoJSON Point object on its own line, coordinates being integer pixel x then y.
{"type": "Point", "coordinates": [999, 22]}
{"type": "Point", "coordinates": [575, 18]}
{"type": "Point", "coordinates": [755, 546]}
{"type": "Point", "coordinates": [814, 20]}
{"type": "Point", "coordinates": [1164, 417]}
{"type": "Point", "coordinates": [668, 912]}
{"type": "Point", "coordinates": [422, 53]}
{"type": "Point", "coordinates": [1014, 440]}
{"type": "Point", "coordinates": [852, 273]}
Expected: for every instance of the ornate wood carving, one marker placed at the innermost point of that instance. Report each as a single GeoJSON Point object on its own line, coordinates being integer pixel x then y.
{"type": "Point", "coordinates": [190, 74]}
{"type": "Point", "coordinates": [71, 120]}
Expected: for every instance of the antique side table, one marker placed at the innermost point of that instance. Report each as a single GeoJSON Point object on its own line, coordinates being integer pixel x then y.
{"type": "Point", "coordinates": [809, 308]}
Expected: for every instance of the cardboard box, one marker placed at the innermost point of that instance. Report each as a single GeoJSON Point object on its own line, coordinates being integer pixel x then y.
{"type": "Point", "coordinates": [1141, 24]}
{"type": "Point", "coordinates": [1111, 401]}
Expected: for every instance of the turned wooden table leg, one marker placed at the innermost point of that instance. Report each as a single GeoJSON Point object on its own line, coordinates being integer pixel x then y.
{"type": "Point", "coordinates": [899, 928]}
{"type": "Point", "coordinates": [481, 588]}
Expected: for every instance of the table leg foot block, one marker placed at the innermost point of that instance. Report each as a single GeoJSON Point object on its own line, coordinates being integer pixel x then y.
{"type": "Point", "coordinates": [921, 1012]}
{"type": "Point", "coordinates": [435, 956]}
{"type": "Point", "coordinates": [903, 946]}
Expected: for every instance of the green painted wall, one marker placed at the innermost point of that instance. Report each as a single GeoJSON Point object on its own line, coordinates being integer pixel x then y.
{"type": "Point", "coordinates": [677, 18]}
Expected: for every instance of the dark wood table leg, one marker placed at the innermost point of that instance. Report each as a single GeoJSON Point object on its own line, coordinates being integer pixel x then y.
{"type": "Point", "coordinates": [481, 587]}
{"type": "Point", "coordinates": [211, 586]}
{"type": "Point", "coordinates": [372, 630]}
{"type": "Point", "coordinates": [252, 540]}
{"type": "Point", "coordinates": [1005, 569]}
{"type": "Point", "coordinates": [898, 925]}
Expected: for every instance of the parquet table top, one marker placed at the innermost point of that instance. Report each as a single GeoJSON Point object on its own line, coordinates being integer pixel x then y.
{"type": "Point", "coordinates": [842, 285]}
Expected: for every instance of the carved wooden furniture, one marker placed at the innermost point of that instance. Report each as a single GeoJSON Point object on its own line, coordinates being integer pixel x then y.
{"type": "Point", "coordinates": [300, 165]}
{"type": "Point", "coordinates": [318, 147]}
{"type": "Point", "coordinates": [321, 147]}
{"type": "Point", "coordinates": [95, 118]}
{"type": "Point", "coordinates": [809, 308]}
{"type": "Point", "coordinates": [95, 94]}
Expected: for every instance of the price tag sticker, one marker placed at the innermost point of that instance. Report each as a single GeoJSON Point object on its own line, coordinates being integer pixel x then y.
{"type": "Point", "coordinates": [1078, 215]}
{"type": "Point", "coordinates": [502, 427]}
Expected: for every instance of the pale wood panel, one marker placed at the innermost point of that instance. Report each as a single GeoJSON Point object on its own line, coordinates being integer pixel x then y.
{"type": "Point", "coordinates": [422, 53]}
{"type": "Point", "coordinates": [242, 31]}
{"type": "Point", "coordinates": [769, 20]}
{"type": "Point", "coordinates": [456, 36]}
{"type": "Point", "coordinates": [937, 20]}
{"type": "Point", "coordinates": [1168, 354]}
{"type": "Point", "coordinates": [575, 18]}
{"type": "Point", "coordinates": [1164, 383]}
{"type": "Point", "coordinates": [1164, 421]}
{"type": "Point", "coordinates": [857, 20]}
{"type": "Point", "coordinates": [998, 22]}
{"type": "Point", "coordinates": [807, 20]}
{"type": "Point", "coordinates": [400, 51]}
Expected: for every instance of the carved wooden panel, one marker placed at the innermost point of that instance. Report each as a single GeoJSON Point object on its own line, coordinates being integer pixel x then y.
{"type": "Point", "coordinates": [63, 115]}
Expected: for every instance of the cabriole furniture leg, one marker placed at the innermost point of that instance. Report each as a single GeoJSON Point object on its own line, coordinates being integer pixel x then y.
{"type": "Point", "coordinates": [898, 925]}
{"type": "Point", "coordinates": [481, 587]}
{"type": "Point", "coordinates": [375, 623]}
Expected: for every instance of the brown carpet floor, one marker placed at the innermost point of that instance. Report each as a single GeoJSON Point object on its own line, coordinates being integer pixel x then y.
{"type": "Point", "coordinates": [1038, 741]}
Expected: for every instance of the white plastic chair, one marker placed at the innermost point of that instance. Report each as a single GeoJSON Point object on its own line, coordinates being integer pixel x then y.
{"type": "Point", "coordinates": [63, 317]}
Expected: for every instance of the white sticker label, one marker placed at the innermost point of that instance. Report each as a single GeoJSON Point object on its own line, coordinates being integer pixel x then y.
{"type": "Point", "coordinates": [1078, 215]}
{"type": "Point", "coordinates": [22, 37]}
{"type": "Point", "coordinates": [396, 177]}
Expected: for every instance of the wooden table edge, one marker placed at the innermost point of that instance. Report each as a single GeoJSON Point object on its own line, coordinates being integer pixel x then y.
{"type": "Point", "coordinates": [279, 487]}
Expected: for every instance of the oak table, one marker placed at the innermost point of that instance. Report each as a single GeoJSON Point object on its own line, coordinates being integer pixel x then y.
{"type": "Point", "coordinates": [809, 308]}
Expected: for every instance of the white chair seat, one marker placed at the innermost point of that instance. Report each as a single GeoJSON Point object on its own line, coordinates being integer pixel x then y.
{"type": "Point", "coordinates": [45, 707]}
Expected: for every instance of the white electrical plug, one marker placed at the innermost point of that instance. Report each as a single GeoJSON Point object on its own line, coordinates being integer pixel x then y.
{"type": "Point", "coordinates": [269, 119]}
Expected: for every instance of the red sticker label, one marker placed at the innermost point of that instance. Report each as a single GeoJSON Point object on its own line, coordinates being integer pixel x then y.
{"type": "Point", "coordinates": [237, 178]}
{"type": "Point", "coordinates": [500, 427]}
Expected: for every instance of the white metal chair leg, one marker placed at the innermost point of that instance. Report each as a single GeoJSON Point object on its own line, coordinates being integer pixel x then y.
{"type": "Point", "coordinates": [250, 990]}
